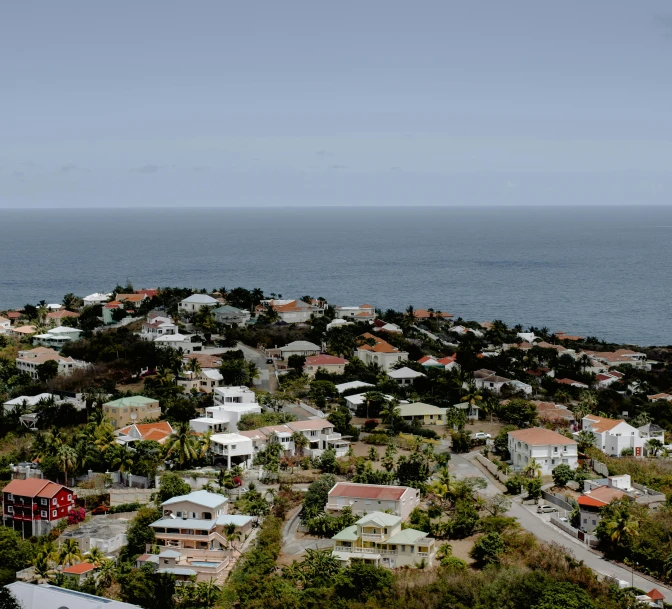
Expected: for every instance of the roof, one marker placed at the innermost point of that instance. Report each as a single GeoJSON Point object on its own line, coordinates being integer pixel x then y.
{"type": "Point", "coordinates": [130, 297]}
{"type": "Point", "coordinates": [30, 400]}
{"type": "Point", "coordinates": [352, 385]}
{"type": "Point", "coordinates": [538, 436]}
{"type": "Point", "coordinates": [149, 431]}
{"type": "Point", "coordinates": [170, 554]}
{"type": "Point", "coordinates": [33, 487]}
{"type": "Point", "coordinates": [227, 438]}
{"type": "Point", "coordinates": [301, 345]}
{"type": "Point", "coordinates": [237, 520]}
{"type": "Point", "coordinates": [204, 498]}
{"type": "Point", "coordinates": [310, 424]}
{"type": "Point", "coordinates": [425, 313]}
{"type": "Point", "coordinates": [150, 292]}
{"type": "Point", "coordinates": [380, 345]}
{"type": "Point", "coordinates": [380, 518]}
{"type": "Point", "coordinates": [25, 329]}
{"type": "Point", "coordinates": [404, 373]}
{"type": "Point", "coordinates": [177, 571]}
{"type": "Point", "coordinates": [650, 427]}
{"type": "Point", "coordinates": [253, 434]}
{"type": "Point", "coordinates": [601, 424]}
{"type": "Point", "coordinates": [368, 491]}
{"type": "Point", "coordinates": [570, 382]}
{"type": "Point", "coordinates": [46, 596]}
{"type": "Point", "coordinates": [347, 534]}
{"type": "Point", "coordinates": [185, 523]}
{"type": "Point", "coordinates": [325, 360]}
{"type": "Point", "coordinates": [205, 359]}
{"type": "Point", "coordinates": [428, 360]}
{"type": "Point", "coordinates": [133, 400]}
{"type": "Point", "coordinates": [419, 408]}
{"type": "Point", "coordinates": [200, 299]}
{"type": "Point", "coordinates": [602, 495]}
{"type": "Point", "coordinates": [655, 595]}
{"type": "Point", "coordinates": [79, 569]}
{"type": "Point", "coordinates": [61, 314]}
{"type": "Point", "coordinates": [407, 536]}
{"type": "Point", "coordinates": [229, 310]}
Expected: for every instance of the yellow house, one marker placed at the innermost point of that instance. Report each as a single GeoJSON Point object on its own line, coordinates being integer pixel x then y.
{"type": "Point", "coordinates": [426, 413]}
{"type": "Point", "coordinates": [133, 409]}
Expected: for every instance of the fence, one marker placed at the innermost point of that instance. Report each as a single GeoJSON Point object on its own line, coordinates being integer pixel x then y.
{"type": "Point", "coordinates": [131, 495]}
{"type": "Point", "coordinates": [589, 540]}
{"type": "Point", "coordinates": [492, 468]}
{"type": "Point", "coordinates": [313, 411]}
{"type": "Point", "coordinates": [601, 468]}
{"type": "Point", "coordinates": [561, 503]}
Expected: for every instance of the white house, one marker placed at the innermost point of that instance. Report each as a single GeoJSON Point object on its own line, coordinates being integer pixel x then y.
{"type": "Point", "coordinates": [294, 311]}
{"type": "Point", "coordinates": [158, 326]}
{"type": "Point", "coordinates": [29, 401]}
{"type": "Point", "coordinates": [96, 299]}
{"type": "Point", "coordinates": [374, 350]}
{"type": "Point", "coordinates": [342, 387]}
{"type": "Point", "coordinates": [488, 379]}
{"type": "Point", "coordinates": [57, 337]}
{"type": "Point", "coordinates": [548, 448]}
{"type": "Point", "coordinates": [337, 323]}
{"type": "Point", "coordinates": [319, 433]}
{"type": "Point", "coordinates": [328, 363]}
{"type": "Point", "coordinates": [5, 325]}
{"type": "Point", "coordinates": [46, 596]}
{"type": "Point", "coordinates": [300, 347]}
{"type": "Point", "coordinates": [520, 386]}
{"type": "Point", "coordinates": [231, 316]}
{"type": "Point", "coordinates": [353, 401]}
{"type": "Point", "coordinates": [234, 395]}
{"type": "Point", "coordinates": [193, 303]}
{"type": "Point", "coordinates": [178, 341]}
{"type": "Point", "coordinates": [612, 436]}
{"type": "Point", "coordinates": [232, 449]}
{"type": "Point", "coordinates": [218, 419]}
{"type": "Point", "coordinates": [29, 360]}
{"type": "Point", "coordinates": [404, 376]}
{"type": "Point", "coordinates": [365, 498]}
{"type": "Point", "coordinates": [364, 312]}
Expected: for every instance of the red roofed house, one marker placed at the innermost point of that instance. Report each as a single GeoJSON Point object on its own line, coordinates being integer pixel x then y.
{"type": "Point", "coordinates": [374, 350]}
{"type": "Point", "coordinates": [364, 312]}
{"type": "Point", "coordinates": [592, 502]}
{"type": "Point", "coordinates": [158, 431]}
{"type": "Point", "coordinates": [367, 498]}
{"type": "Point", "coordinates": [328, 363]}
{"type": "Point", "coordinates": [80, 571]}
{"type": "Point", "coordinates": [656, 598]}
{"type": "Point", "coordinates": [58, 316]}
{"type": "Point", "coordinates": [572, 383]}
{"type": "Point", "coordinates": [34, 506]}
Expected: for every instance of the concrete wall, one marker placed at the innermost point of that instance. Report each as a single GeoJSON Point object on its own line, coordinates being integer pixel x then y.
{"type": "Point", "coordinates": [131, 495]}
{"type": "Point", "coordinates": [492, 468]}
{"type": "Point", "coordinates": [601, 468]}
{"type": "Point", "coordinates": [561, 503]}
{"type": "Point", "coordinates": [570, 530]}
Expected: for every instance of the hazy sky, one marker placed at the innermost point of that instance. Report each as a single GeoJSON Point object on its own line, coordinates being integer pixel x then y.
{"type": "Point", "coordinates": [355, 102]}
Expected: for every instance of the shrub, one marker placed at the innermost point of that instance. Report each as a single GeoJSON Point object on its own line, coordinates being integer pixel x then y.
{"type": "Point", "coordinates": [562, 474]}
{"type": "Point", "coordinates": [488, 549]}
{"type": "Point", "coordinates": [125, 507]}
{"type": "Point", "coordinates": [76, 515]}
{"type": "Point", "coordinates": [379, 438]}
{"type": "Point", "coordinates": [370, 425]}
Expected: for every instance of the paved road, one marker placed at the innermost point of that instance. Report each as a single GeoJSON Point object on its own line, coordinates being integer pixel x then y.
{"type": "Point", "coordinates": [295, 543]}
{"type": "Point", "coordinates": [547, 532]}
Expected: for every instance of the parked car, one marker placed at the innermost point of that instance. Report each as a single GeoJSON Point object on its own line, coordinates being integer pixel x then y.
{"type": "Point", "coordinates": [101, 509]}
{"type": "Point", "coordinates": [546, 509]}
{"type": "Point", "coordinates": [269, 361]}
{"type": "Point", "coordinates": [480, 435]}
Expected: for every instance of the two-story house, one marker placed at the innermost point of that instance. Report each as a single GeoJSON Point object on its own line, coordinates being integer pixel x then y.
{"type": "Point", "coordinates": [132, 409]}
{"type": "Point", "coordinates": [157, 326]}
{"type": "Point", "coordinates": [29, 360]}
{"type": "Point", "coordinates": [365, 312]}
{"type": "Point", "coordinates": [548, 448]}
{"type": "Point", "coordinates": [33, 506]}
{"type": "Point", "coordinates": [231, 316]}
{"type": "Point", "coordinates": [365, 498]}
{"type": "Point", "coordinates": [222, 418]}
{"type": "Point", "coordinates": [378, 538]}
{"type": "Point", "coordinates": [223, 396]}
{"type": "Point", "coordinates": [374, 350]}
{"type": "Point", "coordinates": [232, 449]}
{"type": "Point", "coordinates": [488, 379]}
{"type": "Point", "coordinates": [612, 436]}
{"type": "Point", "coordinates": [57, 337]}
{"type": "Point", "coordinates": [193, 303]}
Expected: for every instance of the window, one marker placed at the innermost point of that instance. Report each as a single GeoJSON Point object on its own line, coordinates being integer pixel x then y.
{"type": "Point", "coordinates": [53, 501]}
{"type": "Point", "coordinates": [555, 449]}
{"type": "Point", "coordinates": [54, 513]}
{"type": "Point", "coordinates": [44, 501]}
{"type": "Point", "coordinates": [10, 509]}
{"type": "Point", "coordinates": [69, 496]}
{"type": "Point", "coordinates": [10, 497]}
{"type": "Point", "coordinates": [233, 447]}
{"type": "Point", "coordinates": [44, 513]}
{"type": "Point", "coordinates": [594, 522]}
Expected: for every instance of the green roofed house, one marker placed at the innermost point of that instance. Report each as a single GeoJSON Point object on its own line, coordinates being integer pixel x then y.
{"type": "Point", "coordinates": [133, 409]}
{"type": "Point", "coordinates": [231, 316]}
{"type": "Point", "coordinates": [378, 538]}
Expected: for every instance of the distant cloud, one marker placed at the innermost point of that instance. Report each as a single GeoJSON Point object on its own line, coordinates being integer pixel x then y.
{"type": "Point", "coordinates": [325, 153]}
{"type": "Point", "coordinates": [69, 167]}
{"type": "Point", "coordinates": [336, 167]}
{"type": "Point", "coordinates": [27, 163]}
{"type": "Point", "coordinates": [20, 175]}
{"type": "Point", "coordinates": [146, 169]}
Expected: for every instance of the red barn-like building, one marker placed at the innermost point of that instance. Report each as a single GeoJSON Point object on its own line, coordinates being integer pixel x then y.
{"type": "Point", "coordinates": [34, 506]}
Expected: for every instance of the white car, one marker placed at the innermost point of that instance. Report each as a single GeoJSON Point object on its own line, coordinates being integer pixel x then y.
{"type": "Point", "coordinates": [480, 435]}
{"type": "Point", "coordinates": [546, 509]}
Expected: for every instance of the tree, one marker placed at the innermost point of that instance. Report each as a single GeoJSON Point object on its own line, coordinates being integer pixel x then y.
{"type": "Point", "coordinates": [182, 444]}
{"type": "Point", "coordinates": [488, 549]}
{"type": "Point", "coordinates": [533, 487]}
{"type": "Point", "coordinates": [562, 474]}
{"type": "Point", "coordinates": [296, 362]}
{"type": "Point", "coordinates": [317, 495]}
{"type": "Point", "coordinates": [464, 520]}
{"type": "Point", "coordinates": [586, 439]}
{"type": "Point", "coordinates": [497, 504]}
{"type": "Point", "coordinates": [8, 600]}
{"type": "Point", "coordinates": [654, 446]}
{"type": "Point", "coordinates": [518, 412]}
{"type": "Point", "coordinates": [67, 457]}
{"type": "Point", "coordinates": [564, 595]}
{"type": "Point", "coordinates": [15, 554]}
{"type": "Point", "coordinates": [171, 485]}
{"type": "Point", "coordinates": [139, 532]}
{"type": "Point", "coordinates": [70, 553]}
{"type": "Point", "coordinates": [47, 371]}
{"type": "Point", "coordinates": [412, 470]}
{"type": "Point", "coordinates": [361, 580]}
{"type": "Point", "coordinates": [533, 468]}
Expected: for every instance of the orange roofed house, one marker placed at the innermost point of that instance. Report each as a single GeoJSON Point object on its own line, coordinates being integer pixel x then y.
{"type": "Point", "coordinates": [293, 311]}
{"type": "Point", "coordinates": [366, 498]}
{"type": "Point", "coordinates": [548, 448]}
{"type": "Point", "coordinates": [427, 314]}
{"type": "Point", "coordinates": [364, 312]}
{"type": "Point", "coordinates": [34, 506]}
{"type": "Point", "coordinates": [158, 431]}
{"type": "Point", "coordinates": [374, 350]}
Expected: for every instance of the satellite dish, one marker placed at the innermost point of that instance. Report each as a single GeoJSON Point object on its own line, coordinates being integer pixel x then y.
{"type": "Point", "coordinates": [134, 416]}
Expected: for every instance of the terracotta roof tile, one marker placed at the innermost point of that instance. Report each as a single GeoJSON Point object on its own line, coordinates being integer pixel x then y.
{"type": "Point", "coordinates": [367, 491]}
{"type": "Point", "coordinates": [538, 436]}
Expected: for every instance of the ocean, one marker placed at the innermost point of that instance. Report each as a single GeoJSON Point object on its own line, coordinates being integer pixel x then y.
{"type": "Point", "coordinates": [593, 271]}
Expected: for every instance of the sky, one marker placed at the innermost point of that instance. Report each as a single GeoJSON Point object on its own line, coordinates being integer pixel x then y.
{"type": "Point", "coordinates": [351, 103]}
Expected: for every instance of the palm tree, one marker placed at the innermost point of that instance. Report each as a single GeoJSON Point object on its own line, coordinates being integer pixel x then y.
{"type": "Point", "coordinates": [389, 411]}
{"type": "Point", "coordinates": [95, 556]}
{"type": "Point", "coordinates": [194, 366]}
{"type": "Point", "coordinates": [300, 442]}
{"type": "Point", "coordinates": [69, 553]}
{"type": "Point", "coordinates": [473, 397]}
{"type": "Point", "coordinates": [42, 568]}
{"type": "Point", "coordinates": [121, 458]}
{"type": "Point", "coordinates": [586, 439]}
{"type": "Point", "coordinates": [654, 445]}
{"type": "Point", "coordinates": [164, 377]}
{"type": "Point", "coordinates": [181, 444]}
{"type": "Point", "coordinates": [622, 526]}
{"type": "Point", "coordinates": [207, 594]}
{"type": "Point", "coordinates": [532, 469]}
{"type": "Point", "coordinates": [106, 573]}
{"type": "Point", "coordinates": [204, 444]}
{"type": "Point", "coordinates": [67, 457]}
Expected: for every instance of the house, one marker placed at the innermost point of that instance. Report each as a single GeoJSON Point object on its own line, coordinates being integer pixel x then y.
{"type": "Point", "coordinates": [57, 317]}
{"type": "Point", "coordinates": [126, 411]}
{"type": "Point", "coordinates": [109, 310]}
{"type": "Point", "coordinates": [218, 419]}
{"type": "Point", "coordinates": [337, 323]}
{"type": "Point", "coordinates": [591, 504]}
{"type": "Point", "coordinates": [231, 316]}
{"type": "Point", "coordinates": [365, 498]}
{"type": "Point", "coordinates": [404, 376]}
{"type": "Point", "coordinates": [96, 299]}
{"type": "Point", "coordinates": [487, 379]}
{"type": "Point", "coordinates": [553, 413]}
{"type": "Point", "coordinates": [293, 311]}
{"type": "Point", "coordinates": [300, 347]}
{"type": "Point", "coordinates": [232, 449]}
{"type": "Point", "coordinates": [105, 533]}
{"type": "Point", "coordinates": [343, 387]}
{"type": "Point", "coordinates": [604, 379]}
{"type": "Point", "coordinates": [179, 341]}
{"type": "Point", "coordinates": [57, 337]}
{"type": "Point", "coordinates": [5, 325]}
{"type": "Point", "coordinates": [651, 431]}
{"type": "Point", "coordinates": [470, 410]}
{"type": "Point", "coordinates": [374, 350]}
{"type": "Point", "coordinates": [389, 327]}
{"type": "Point", "coordinates": [328, 363]}
{"type": "Point", "coordinates": [46, 596]}
{"type": "Point", "coordinates": [659, 396]}
{"type": "Point", "coordinates": [654, 598]}
{"type": "Point", "coordinates": [205, 380]}
{"type": "Point", "coordinates": [356, 400]}
{"type": "Point", "coordinates": [620, 357]}
{"type": "Point", "coordinates": [520, 386]}
{"type": "Point", "coordinates": [449, 362]}
{"type": "Point", "coordinates": [378, 539]}
{"type": "Point", "coordinates": [421, 314]}
{"type": "Point", "coordinates": [430, 362]}
{"type": "Point", "coordinates": [22, 332]}
{"type": "Point", "coordinates": [33, 506]}
{"type": "Point", "coordinates": [320, 435]}
{"type": "Point", "coordinates": [158, 431]}
{"type": "Point", "coordinates": [158, 326]}
{"type": "Point", "coordinates": [30, 401]}
{"type": "Point", "coordinates": [464, 330]}
{"type": "Point", "coordinates": [364, 312]}
{"type": "Point", "coordinates": [234, 395]}
{"type": "Point", "coordinates": [546, 447]}
{"type": "Point", "coordinates": [29, 361]}
{"type": "Point", "coordinates": [572, 383]}
{"type": "Point", "coordinates": [193, 303]}
{"type": "Point", "coordinates": [425, 413]}
{"type": "Point", "coordinates": [191, 536]}
{"type": "Point", "coordinates": [614, 435]}
{"type": "Point", "coordinates": [131, 300]}
{"type": "Point", "coordinates": [79, 572]}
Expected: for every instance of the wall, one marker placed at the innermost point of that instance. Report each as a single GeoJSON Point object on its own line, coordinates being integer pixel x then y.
{"type": "Point", "coordinates": [492, 468]}
{"type": "Point", "coordinates": [561, 503]}
{"type": "Point", "coordinates": [131, 495]}
{"type": "Point", "coordinates": [601, 468]}
{"type": "Point", "coordinates": [313, 411]}
{"type": "Point", "coordinates": [570, 530]}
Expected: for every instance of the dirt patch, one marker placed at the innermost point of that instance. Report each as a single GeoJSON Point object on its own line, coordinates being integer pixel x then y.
{"type": "Point", "coordinates": [461, 547]}
{"type": "Point", "coordinates": [136, 387]}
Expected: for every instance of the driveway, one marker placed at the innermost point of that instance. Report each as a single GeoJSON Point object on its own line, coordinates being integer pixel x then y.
{"type": "Point", "coordinates": [294, 542]}
{"type": "Point", "coordinates": [542, 529]}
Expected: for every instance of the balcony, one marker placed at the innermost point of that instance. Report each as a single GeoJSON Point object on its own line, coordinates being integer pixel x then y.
{"type": "Point", "coordinates": [374, 536]}
{"type": "Point", "coordinates": [356, 550]}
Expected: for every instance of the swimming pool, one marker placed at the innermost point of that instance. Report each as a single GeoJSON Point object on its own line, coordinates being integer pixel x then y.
{"type": "Point", "coordinates": [203, 563]}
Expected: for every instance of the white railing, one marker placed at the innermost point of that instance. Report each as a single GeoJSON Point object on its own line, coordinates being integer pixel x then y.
{"type": "Point", "coordinates": [423, 554]}
{"type": "Point", "coordinates": [375, 536]}
{"type": "Point", "coordinates": [356, 550]}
